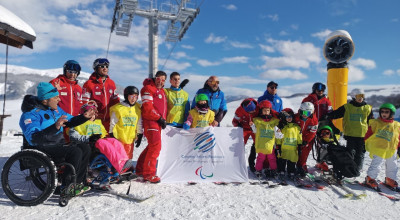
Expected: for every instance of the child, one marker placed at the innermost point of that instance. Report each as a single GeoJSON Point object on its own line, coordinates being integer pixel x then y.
{"type": "Point", "coordinates": [242, 118]}
{"type": "Point", "coordinates": [126, 121]}
{"type": "Point", "coordinates": [93, 130]}
{"type": "Point", "coordinates": [325, 137]}
{"type": "Point", "coordinates": [308, 122]}
{"type": "Point", "coordinates": [201, 115]}
{"type": "Point", "coordinates": [382, 142]}
{"type": "Point", "coordinates": [288, 148]}
{"type": "Point", "coordinates": [263, 127]}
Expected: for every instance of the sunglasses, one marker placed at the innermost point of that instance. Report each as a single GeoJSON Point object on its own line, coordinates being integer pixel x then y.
{"type": "Point", "coordinates": [214, 82]}
{"type": "Point", "coordinates": [159, 79]}
{"type": "Point", "coordinates": [320, 90]}
{"type": "Point", "coordinates": [289, 116]}
{"type": "Point", "coordinates": [385, 111]}
{"type": "Point", "coordinates": [72, 71]}
{"type": "Point", "coordinates": [103, 66]}
{"type": "Point", "coordinates": [273, 87]}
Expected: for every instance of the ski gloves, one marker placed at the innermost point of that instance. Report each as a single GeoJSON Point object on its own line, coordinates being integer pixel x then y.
{"type": "Point", "coordinates": [138, 140]}
{"type": "Point", "coordinates": [94, 137]}
{"type": "Point", "coordinates": [162, 122]}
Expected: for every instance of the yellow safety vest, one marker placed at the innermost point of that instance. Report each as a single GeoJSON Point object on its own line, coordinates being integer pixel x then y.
{"type": "Point", "coordinates": [291, 138]}
{"type": "Point", "coordinates": [355, 120]}
{"type": "Point", "coordinates": [384, 140]}
{"type": "Point", "coordinates": [201, 120]}
{"type": "Point", "coordinates": [128, 117]}
{"type": "Point", "coordinates": [91, 127]}
{"type": "Point", "coordinates": [177, 101]}
{"type": "Point", "coordinates": [265, 135]}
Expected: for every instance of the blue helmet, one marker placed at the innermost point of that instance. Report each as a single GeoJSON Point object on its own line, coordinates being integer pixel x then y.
{"type": "Point", "coordinates": [99, 62]}
{"type": "Point", "coordinates": [318, 86]}
{"type": "Point", "coordinates": [72, 65]}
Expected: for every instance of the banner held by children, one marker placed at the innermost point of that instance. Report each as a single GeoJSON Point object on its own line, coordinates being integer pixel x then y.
{"type": "Point", "coordinates": [210, 154]}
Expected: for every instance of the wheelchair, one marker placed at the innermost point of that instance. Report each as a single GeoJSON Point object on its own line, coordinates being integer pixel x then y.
{"type": "Point", "coordinates": [30, 177]}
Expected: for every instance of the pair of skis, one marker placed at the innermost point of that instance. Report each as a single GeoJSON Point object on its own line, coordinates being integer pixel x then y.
{"type": "Point", "coordinates": [345, 191]}
{"type": "Point", "coordinates": [379, 190]}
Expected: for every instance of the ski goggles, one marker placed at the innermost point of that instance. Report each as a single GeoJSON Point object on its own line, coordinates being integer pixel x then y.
{"type": "Point", "coordinates": [359, 96]}
{"type": "Point", "coordinates": [73, 66]}
{"type": "Point", "coordinates": [325, 133]}
{"type": "Point", "coordinates": [90, 105]}
{"type": "Point", "coordinates": [305, 113]}
{"type": "Point", "coordinates": [321, 87]}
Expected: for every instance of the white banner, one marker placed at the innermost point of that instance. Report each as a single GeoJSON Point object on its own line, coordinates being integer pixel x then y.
{"type": "Point", "coordinates": [211, 154]}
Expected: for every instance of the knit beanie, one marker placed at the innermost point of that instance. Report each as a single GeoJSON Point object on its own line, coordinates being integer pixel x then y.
{"type": "Point", "coordinates": [46, 90]}
{"type": "Point", "coordinates": [250, 107]}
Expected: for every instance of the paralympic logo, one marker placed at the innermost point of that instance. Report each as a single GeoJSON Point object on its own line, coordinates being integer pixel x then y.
{"type": "Point", "coordinates": [203, 176]}
{"type": "Point", "coordinates": [204, 141]}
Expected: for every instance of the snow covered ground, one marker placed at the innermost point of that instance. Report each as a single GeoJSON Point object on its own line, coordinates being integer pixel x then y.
{"type": "Point", "coordinates": [204, 201]}
{"type": "Point", "coordinates": [201, 201]}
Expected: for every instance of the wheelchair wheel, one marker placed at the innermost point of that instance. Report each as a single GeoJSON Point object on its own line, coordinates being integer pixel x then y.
{"type": "Point", "coordinates": [29, 178]}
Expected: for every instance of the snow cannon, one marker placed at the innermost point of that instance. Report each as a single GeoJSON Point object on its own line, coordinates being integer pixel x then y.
{"type": "Point", "coordinates": [338, 49]}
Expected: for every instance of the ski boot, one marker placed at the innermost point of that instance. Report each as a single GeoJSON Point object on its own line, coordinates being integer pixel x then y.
{"type": "Point", "coordinates": [392, 184]}
{"type": "Point", "coordinates": [371, 183]}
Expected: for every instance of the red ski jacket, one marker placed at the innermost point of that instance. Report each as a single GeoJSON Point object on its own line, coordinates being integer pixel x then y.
{"type": "Point", "coordinates": [154, 104]}
{"type": "Point", "coordinates": [104, 93]}
{"type": "Point", "coordinates": [70, 94]}
{"type": "Point", "coordinates": [322, 106]}
{"type": "Point", "coordinates": [308, 127]}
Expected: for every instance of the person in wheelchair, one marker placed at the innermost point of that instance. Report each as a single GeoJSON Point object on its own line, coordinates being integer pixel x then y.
{"type": "Point", "coordinates": [42, 123]}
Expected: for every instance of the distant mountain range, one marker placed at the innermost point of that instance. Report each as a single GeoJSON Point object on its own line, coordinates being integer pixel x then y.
{"type": "Point", "coordinates": [23, 80]}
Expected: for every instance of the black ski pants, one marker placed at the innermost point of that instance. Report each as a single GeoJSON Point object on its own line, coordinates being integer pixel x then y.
{"type": "Point", "coordinates": [356, 147]}
{"type": "Point", "coordinates": [76, 154]}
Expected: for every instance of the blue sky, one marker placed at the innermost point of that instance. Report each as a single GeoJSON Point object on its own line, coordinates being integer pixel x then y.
{"type": "Point", "coordinates": [245, 43]}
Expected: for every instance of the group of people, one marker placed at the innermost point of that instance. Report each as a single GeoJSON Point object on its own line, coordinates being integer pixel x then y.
{"type": "Point", "coordinates": [283, 138]}
{"type": "Point", "coordinates": [66, 120]}
{"type": "Point", "coordinates": [63, 118]}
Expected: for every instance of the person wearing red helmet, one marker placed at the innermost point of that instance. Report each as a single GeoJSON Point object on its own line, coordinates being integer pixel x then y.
{"type": "Point", "coordinates": [243, 117]}
{"type": "Point", "coordinates": [154, 113]}
{"type": "Point", "coordinates": [308, 122]}
{"type": "Point", "coordinates": [264, 127]}
{"type": "Point", "coordinates": [101, 89]}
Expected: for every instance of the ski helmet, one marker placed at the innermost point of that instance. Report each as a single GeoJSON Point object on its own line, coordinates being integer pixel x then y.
{"type": "Point", "coordinates": [130, 90]}
{"type": "Point", "coordinates": [356, 91]}
{"type": "Point", "coordinates": [201, 97]}
{"type": "Point", "coordinates": [100, 61]}
{"type": "Point", "coordinates": [318, 86]}
{"type": "Point", "coordinates": [389, 106]}
{"type": "Point", "coordinates": [287, 112]}
{"type": "Point", "coordinates": [325, 127]}
{"type": "Point", "coordinates": [265, 104]}
{"type": "Point", "coordinates": [72, 65]}
{"type": "Point", "coordinates": [306, 108]}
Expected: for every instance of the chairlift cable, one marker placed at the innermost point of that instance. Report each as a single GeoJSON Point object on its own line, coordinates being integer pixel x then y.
{"type": "Point", "coordinates": [166, 60]}
{"type": "Point", "coordinates": [108, 46]}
